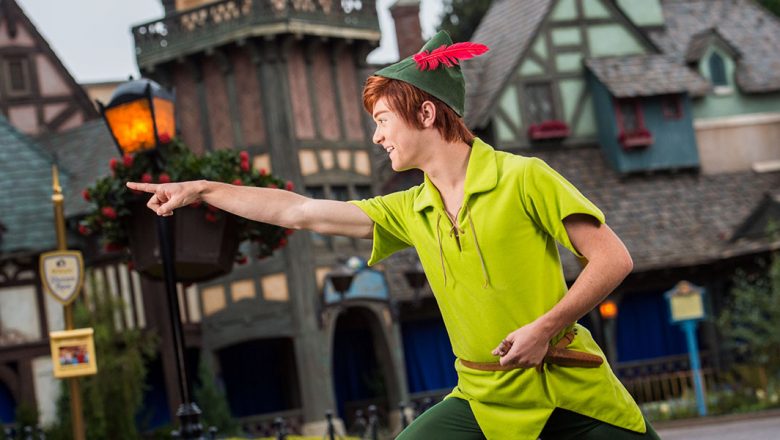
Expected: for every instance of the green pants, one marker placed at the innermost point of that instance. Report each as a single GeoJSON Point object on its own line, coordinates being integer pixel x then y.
{"type": "Point", "coordinates": [452, 419]}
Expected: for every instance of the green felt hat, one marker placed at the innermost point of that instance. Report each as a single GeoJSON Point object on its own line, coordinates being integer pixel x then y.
{"type": "Point", "coordinates": [436, 69]}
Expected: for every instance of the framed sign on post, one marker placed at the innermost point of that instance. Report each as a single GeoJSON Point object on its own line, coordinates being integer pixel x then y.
{"type": "Point", "coordinates": [62, 273]}
{"type": "Point", "coordinates": [73, 353]}
{"type": "Point", "coordinates": [686, 308]}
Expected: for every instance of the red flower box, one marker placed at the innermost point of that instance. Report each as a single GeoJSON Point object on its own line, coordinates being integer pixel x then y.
{"type": "Point", "coordinates": [548, 130]}
{"type": "Point", "coordinates": [638, 139]}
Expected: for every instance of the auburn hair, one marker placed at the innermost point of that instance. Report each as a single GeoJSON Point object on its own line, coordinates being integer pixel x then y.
{"type": "Point", "coordinates": [406, 99]}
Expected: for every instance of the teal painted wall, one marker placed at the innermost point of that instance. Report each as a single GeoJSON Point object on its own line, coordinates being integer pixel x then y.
{"type": "Point", "coordinates": [643, 12]}
{"type": "Point", "coordinates": [613, 39]}
{"type": "Point", "coordinates": [564, 10]}
{"type": "Point", "coordinates": [734, 102]}
{"type": "Point", "coordinates": [674, 141]}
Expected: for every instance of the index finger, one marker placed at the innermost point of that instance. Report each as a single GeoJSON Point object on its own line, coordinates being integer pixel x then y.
{"type": "Point", "coordinates": [146, 187]}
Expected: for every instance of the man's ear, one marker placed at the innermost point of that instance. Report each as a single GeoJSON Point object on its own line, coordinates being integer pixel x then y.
{"type": "Point", "coordinates": [427, 114]}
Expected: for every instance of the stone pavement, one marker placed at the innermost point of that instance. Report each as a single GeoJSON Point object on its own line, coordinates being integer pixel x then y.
{"type": "Point", "coordinates": [753, 426]}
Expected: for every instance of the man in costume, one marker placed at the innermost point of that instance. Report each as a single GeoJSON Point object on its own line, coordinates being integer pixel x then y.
{"type": "Point", "coordinates": [485, 225]}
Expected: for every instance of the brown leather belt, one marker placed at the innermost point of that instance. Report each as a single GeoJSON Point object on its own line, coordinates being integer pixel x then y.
{"type": "Point", "coordinates": [556, 354]}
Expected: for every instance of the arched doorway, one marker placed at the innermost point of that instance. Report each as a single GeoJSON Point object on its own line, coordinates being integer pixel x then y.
{"type": "Point", "coordinates": [260, 376]}
{"type": "Point", "coordinates": [361, 361]}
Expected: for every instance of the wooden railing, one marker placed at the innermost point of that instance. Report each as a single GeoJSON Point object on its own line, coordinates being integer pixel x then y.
{"type": "Point", "coordinates": [664, 378]}
{"type": "Point", "coordinates": [216, 23]}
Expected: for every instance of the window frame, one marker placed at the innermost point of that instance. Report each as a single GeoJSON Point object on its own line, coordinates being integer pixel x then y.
{"type": "Point", "coordinates": [26, 69]}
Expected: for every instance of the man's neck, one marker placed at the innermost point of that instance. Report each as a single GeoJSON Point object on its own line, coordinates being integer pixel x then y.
{"type": "Point", "coordinates": [447, 164]}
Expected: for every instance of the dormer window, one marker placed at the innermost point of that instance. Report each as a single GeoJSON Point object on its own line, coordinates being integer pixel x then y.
{"type": "Point", "coordinates": [718, 70]}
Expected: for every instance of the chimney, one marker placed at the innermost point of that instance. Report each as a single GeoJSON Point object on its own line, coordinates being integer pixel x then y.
{"type": "Point", "coordinates": [406, 14]}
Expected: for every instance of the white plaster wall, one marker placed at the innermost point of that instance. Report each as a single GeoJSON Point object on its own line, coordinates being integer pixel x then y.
{"type": "Point", "coordinates": [47, 389]}
{"type": "Point", "coordinates": [733, 144]}
{"type": "Point", "coordinates": [19, 312]}
{"type": "Point", "coordinates": [50, 82]}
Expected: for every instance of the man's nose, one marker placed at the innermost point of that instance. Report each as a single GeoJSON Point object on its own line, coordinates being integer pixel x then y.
{"type": "Point", "coordinates": [378, 138]}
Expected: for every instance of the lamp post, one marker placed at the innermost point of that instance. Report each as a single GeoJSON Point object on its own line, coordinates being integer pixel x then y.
{"type": "Point", "coordinates": [140, 118]}
{"type": "Point", "coordinates": [609, 311]}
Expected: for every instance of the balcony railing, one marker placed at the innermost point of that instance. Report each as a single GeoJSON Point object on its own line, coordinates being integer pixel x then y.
{"type": "Point", "coordinates": [195, 30]}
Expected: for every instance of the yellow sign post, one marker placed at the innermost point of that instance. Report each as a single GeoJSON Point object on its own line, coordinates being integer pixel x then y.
{"type": "Point", "coordinates": [62, 272]}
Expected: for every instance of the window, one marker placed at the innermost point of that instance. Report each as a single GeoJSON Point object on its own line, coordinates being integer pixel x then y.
{"type": "Point", "coordinates": [632, 132]}
{"type": "Point", "coordinates": [339, 192]}
{"type": "Point", "coordinates": [540, 103]}
{"type": "Point", "coordinates": [336, 192]}
{"type": "Point", "coordinates": [17, 76]}
{"type": "Point", "coordinates": [718, 70]}
{"type": "Point", "coordinates": [672, 107]}
{"type": "Point", "coordinates": [363, 192]}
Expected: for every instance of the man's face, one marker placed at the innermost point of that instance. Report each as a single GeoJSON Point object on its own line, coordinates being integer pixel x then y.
{"type": "Point", "coordinates": [398, 139]}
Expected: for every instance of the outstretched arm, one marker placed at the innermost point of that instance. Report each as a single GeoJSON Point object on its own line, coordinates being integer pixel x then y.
{"type": "Point", "coordinates": [608, 264]}
{"type": "Point", "coordinates": [267, 205]}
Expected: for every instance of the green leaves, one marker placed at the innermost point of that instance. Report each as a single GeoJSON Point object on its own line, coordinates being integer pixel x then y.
{"type": "Point", "coordinates": [174, 162]}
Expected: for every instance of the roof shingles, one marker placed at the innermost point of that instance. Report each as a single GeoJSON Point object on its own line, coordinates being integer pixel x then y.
{"type": "Point", "coordinates": [646, 75]}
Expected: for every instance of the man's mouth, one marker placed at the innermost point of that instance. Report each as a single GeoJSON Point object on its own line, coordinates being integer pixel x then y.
{"type": "Point", "coordinates": [389, 149]}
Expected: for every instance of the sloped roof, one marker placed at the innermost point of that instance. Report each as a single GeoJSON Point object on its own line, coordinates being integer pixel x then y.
{"type": "Point", "coordinates": [507, 29]}
{"type": "Point", "coordinates": [84, 152]}
{"type": "Point", "coordinates": [746, 26]}
{"type": "Point", "coordinates": [26, 209]}
{"type": "Point", "coordinates": [665, 220]}
{"type": "Point", "coordinates": [701, 42]}
{"type": "Point", "coordinates": [16, 16]}
{"type": "Point", "coordinates": [646, 75]}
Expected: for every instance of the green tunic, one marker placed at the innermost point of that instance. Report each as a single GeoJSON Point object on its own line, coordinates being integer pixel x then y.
{"type": "Point", "coordinates": [501, 273]}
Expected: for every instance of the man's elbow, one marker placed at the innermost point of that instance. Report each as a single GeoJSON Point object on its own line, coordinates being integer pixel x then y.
{"type": "Point", "coordinates": [627, 263]}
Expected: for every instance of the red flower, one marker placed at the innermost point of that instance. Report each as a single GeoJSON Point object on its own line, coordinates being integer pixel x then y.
{"type": "Point", "coordinates": [113, 163]}
{"type": "Point", "coordinates": [83, 230]}
{"type": "Point", "coordinates": [238, 182]}
{"type": "Point", "coordinates": [86, 195]}
{"type": "Point", "coordinates": [244, 166]}
{"type": "Point", "coordinates": [244, 156]}
{"type": "Point", "coordinates": [164, 138]}
{"type": "Point", "coordinates": [241, 260]}
{"type": "Point", "coordinates": [210, 217]}
{"type": "Point", "coordinates": [263, 171]}
{"type": "Point", "coordinates": [127, 160]}
{"type": "Point", "coordinates": [273, 185]}
{"type": "Point", "coordinates": [108, 212]}
{"type": "Point", "coordinates": [282, 243]}
{"type": "Point", "coordinates": [289, 232]}
{"type": "Point", "coordinates": [164, 178]}
{"type": "Point", "coordinates": [289, 186]}
{"type": "Point", "coordinates": [147, 178]}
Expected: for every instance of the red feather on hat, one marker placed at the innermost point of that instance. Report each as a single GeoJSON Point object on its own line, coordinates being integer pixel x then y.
{"type": "Point", "coordinates": [448, 55]}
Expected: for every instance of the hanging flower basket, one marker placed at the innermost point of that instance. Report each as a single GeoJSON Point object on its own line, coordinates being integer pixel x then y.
{"type": "Point", "coordinates": [205, 239]}
{"type": "Point", "coordinates": [548, 130]}
{"type": "Point", "coordinates": [639, 139]}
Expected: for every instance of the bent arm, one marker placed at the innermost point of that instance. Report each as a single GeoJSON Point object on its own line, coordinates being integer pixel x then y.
{"type": "Point", "coordinates": [608, 264]}
{"type": "Point", "coordinates": [267, 205]}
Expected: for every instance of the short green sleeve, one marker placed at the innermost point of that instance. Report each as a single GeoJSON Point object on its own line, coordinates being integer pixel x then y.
{"type": "Point", "coordinates": [390, 214]}
{"type": "Point", "coordinates": [549, 198]}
